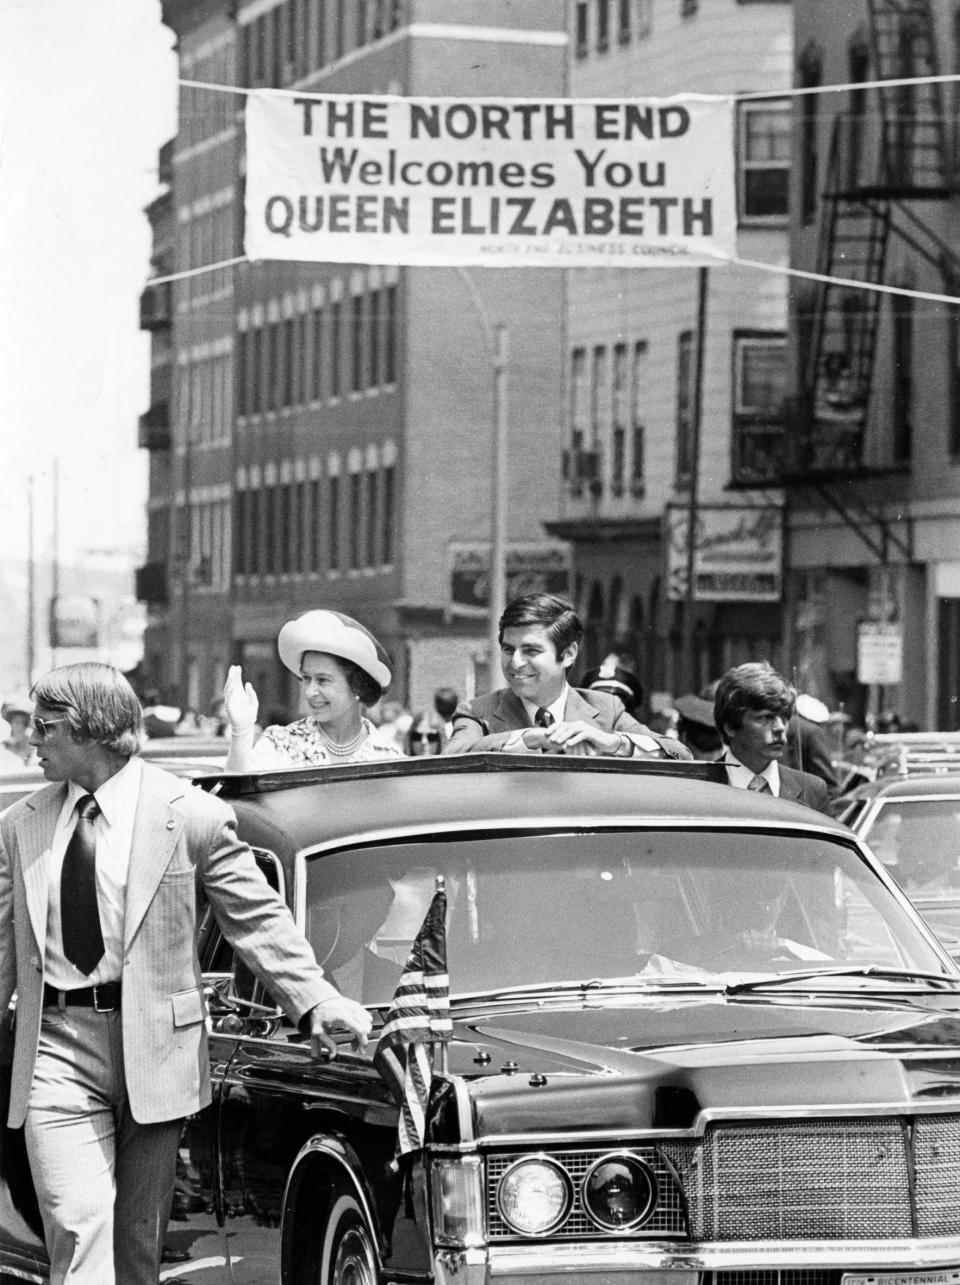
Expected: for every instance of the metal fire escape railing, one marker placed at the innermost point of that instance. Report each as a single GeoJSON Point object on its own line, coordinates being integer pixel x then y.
{"type": "Point", "coordinates": [871, 169]}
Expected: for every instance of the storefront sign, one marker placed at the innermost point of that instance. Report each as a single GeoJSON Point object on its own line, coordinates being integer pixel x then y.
{"type": "Point", "coordinates": [346, 178]}
{"type": "Point", "coordinates": [738, 553]}
{"type": "Point", "coordinates": [879, 653]}
{"type": "Point", "coordinates": [531, 568]}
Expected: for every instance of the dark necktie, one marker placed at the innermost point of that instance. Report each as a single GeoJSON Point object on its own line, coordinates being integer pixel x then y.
{"type": "Point", "coordinates": [759, 784]}
{"type": "Point", "coordinates": [543, 718]}
{"type": "Point", "coordinates": [79, 911]}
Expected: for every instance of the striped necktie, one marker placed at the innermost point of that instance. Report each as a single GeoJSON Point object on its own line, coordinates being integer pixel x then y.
{"type": "Point", "coordinates": [759, 784]}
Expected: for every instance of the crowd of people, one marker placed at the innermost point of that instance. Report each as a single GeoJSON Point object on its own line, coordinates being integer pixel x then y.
{"type": "Point", "coordinates": [99, 873]}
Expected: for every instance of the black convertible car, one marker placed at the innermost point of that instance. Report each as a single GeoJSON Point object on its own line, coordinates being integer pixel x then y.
{"type": "Point", "coordinates": [700, 1036]}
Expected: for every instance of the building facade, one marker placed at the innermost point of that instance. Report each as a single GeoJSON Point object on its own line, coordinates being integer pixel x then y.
{"type": "Point", "coordinates": [641, 465]}
{"type": "Point", "coordinates": [871, 458]}
{"type": "Point", "coordinates": [331, 427]}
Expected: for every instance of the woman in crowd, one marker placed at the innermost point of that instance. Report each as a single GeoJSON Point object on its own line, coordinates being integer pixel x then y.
{"type": "Point", "coordinates": [342, 670]}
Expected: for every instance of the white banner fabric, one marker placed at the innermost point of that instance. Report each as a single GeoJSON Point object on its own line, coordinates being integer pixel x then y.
{"type": "Point", "coordinates": [512, 182]}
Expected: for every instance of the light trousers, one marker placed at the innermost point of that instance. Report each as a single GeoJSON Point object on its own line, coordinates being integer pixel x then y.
{"type": "Point", "coordinates": [104, 1182]}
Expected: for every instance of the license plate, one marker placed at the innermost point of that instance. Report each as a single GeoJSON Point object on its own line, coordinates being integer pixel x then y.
{"type": "Point", "coordinates": [946, 1276]}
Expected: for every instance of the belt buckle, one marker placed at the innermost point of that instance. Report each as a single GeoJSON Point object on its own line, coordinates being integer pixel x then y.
{"type": "Point", "coordinates": [96, 1002]}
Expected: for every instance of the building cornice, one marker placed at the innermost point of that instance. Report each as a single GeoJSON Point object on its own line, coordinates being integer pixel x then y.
{"type": "Point", "coordinates": [605, 530]}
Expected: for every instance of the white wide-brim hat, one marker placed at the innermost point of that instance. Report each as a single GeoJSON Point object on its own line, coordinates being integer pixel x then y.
{"type": "Point", "coordinates": [337, 635]}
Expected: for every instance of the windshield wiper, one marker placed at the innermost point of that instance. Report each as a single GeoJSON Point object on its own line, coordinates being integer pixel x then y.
{"type": "Point", "coordinates": [591, 986]}
{"type": "Point", "coordinates": [848, 970]}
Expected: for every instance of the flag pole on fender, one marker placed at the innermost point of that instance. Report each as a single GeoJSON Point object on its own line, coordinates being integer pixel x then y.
{"type": "Point", "coordinates": [418, 1024]}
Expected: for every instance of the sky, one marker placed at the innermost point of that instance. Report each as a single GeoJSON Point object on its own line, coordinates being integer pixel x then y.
{"type": "Point", "coordinates": [87, 96]}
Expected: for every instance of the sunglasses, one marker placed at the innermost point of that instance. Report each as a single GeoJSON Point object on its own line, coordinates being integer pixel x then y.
{"type": "Point", "coordinates": [41, 726]}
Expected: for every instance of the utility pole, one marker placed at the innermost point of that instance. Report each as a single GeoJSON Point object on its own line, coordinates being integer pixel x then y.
{"type": "Point", "coordinates": [31, 637]}
{"type": "Point", "coordinates": [498, 504]}
{"type": "Point", "coordinates": [55, 565]}
{"type": "Point", "coordinates": [689, 662]}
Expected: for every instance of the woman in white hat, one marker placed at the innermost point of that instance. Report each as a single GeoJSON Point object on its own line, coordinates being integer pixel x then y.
{"type": "Point", "coordinates": [342, 670]}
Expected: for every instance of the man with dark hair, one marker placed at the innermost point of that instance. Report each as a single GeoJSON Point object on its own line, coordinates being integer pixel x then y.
{"type": "Point", "coordinates": [752, 708]}
{"type": "Point", "coordinates": [539, 711]}
{"type": "Point", "coordinates": [99, 875]}
{"type": "Point", "coordinates": [445, 702]}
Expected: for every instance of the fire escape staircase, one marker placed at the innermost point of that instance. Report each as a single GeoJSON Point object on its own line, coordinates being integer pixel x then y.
{"type": "Point", "coordinates": [872, 170]}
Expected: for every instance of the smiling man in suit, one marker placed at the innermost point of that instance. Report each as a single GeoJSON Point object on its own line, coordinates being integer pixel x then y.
{"type": "Point", "coordinates": [752, 709]}
{"type": "Point", "coordinates": [539, 711]}
{"type": "Point", "coordinates": [98, 889]}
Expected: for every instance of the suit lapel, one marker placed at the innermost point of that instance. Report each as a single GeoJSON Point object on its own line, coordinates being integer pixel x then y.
{"type": "Point", "coordinates": [790, 786]}
{"type": "Point", "coordinates": [34, 835]}
{"type": "Point", "coordinates": [156, 831]}
{"type": "Point", "coordinates": [509, 714]}
{"type": "Point", "coordinates": [578, 708]}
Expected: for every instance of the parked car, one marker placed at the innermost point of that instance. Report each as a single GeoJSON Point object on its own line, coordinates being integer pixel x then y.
{"type": "Point", "coordinates": [699, 1034]}
{"type": "Point", "coordinates": [184, 755]}
{"type": "Point", "coordinates": [912, 824]}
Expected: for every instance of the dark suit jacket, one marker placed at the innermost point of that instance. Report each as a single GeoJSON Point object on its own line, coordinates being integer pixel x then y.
{"type": "Point", "coordinates": [809, 751]}
{"type": "Point", "coordinates": [487, 722]}
{"type": "Point", "coordinates": [804, 787]}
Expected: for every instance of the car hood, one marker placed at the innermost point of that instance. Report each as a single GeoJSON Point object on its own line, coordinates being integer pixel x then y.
{"type": "Point", "coordinates": [659, 1064]}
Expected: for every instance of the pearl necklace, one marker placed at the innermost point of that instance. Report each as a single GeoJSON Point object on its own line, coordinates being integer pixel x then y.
{"type": "Point", "coordinates": [343, 748]}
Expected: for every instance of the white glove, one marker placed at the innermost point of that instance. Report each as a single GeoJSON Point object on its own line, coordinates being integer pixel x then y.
{"type": "Point", "coordinates": [239, 702]}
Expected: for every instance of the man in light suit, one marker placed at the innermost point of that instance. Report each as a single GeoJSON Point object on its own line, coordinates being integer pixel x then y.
{"type": "Point", "coordinates": [752, 709]}
{"type": "Point", "coordinates": [539, 711]}
{"type": "Point", "coordinates": [98, 887]}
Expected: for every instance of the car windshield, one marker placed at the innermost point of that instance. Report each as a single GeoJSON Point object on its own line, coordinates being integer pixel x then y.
{"type": "Point", "coordinates": [539, 909]}
{"type": "Point", "coordinates": [918, 840]}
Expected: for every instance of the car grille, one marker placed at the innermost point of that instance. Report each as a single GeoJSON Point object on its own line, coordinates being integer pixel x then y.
{"type": "Point", "coordinates": [784, 1180]}
{"type": "Point", "coordinates": [667, 1220]}
{"type": "Point", "coordinates": [844, 1179]}
{"type": "Point", "coordinates": [802, 1276]}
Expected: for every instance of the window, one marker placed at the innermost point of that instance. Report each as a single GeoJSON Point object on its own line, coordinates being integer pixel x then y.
{"type": "Point", "coordinates": [902, 306]}
{"type": "Point", "coordinates": [254, 519]}
{"type": "Point", "coordinates": [374, 323]}
{"type": "Point", "coordinates": [644, 19]}
{"type": "Point", "coordinates": [277, 40]}
{"type": "Point", "coordinates": [638, 394]}
{"type": "Point", "coordinates": [603, 25]}
{"type": "Point", "coordinates": [289, 361]}
{"type": "Point", "coordinates": [288, 529]}
{"type": "Point", "coordinates": [621, 415]}
{"type": "Point", "coordinates": [811, 75]}
{"type": "Point", "coordinates": [764, 170]}
{"type": "Point", "coordinates": [312, 539]}
{"type": "Point", "coordinates": [300, 367]}
{"type": "Point", "coordinates": [316, 369]}
{"type": "Point", "coordinates": [270, 529]}
{"type": "Point", "coordinates": [340, 22]}
{"type": "Point", "coordinates": [370, 552]}
{"type": "Point", "coordinates": [582, 35]}
{"type": "Point", "coordinates": [599, 391]}
{"type": "Point", "coordinates": [618, 461]}
{"type": "Point", "coordinates": [390, 338]}
{"type": "Point", "coordinates": [243, 360]}
{"type": "Point", "coordinates": [336, 312]}
{"type": "Point", "coordinates": [623, 21]}
{"type": "Point", "coordinates": [389, 507]}
{"type": "Point", "coordinates": [578, 389]}
{"type": "Point", "coordinates": [300, 530]}
{"type": "Point", "coordinates": [759, 390]}
{"type": "Point", "coordinates": [685, 404]}
{"type": "Point", "coordinates": [273, 364]}
{"type": "Point", "coordinates": [354, 519]}
{"type": "Point", "coordinates": [333, 523]}
{"type": "Point", "coordinates": [240, 532]}
{"type": "Point", "coordinates": [356, 343]}
{"type": "Point", "coordinates": [361, 32]}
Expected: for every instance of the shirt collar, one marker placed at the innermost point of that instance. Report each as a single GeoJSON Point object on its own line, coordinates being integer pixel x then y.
{"type": "Point", "coordinates": [557, 708]}
{"type": "Point", "coordinates": [741, 774]}
{"type": "Point", "coordinates": [113, 790]}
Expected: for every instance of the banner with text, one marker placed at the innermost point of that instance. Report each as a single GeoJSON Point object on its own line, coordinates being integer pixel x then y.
{"type": "Point", "coordinates": [737, 553]}
{"type": "Point", "coordinates": [513, 182]}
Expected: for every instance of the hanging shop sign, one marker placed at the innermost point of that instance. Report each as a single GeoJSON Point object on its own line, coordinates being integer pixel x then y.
{"type": "Point", "coordinates": [737, 553]}
{"type": "Point", "coordinates": [531, 568]}
{"type": "Point", "coordinates": [500, 182]}
{"type": "Point", "coordinates": [879, 653]}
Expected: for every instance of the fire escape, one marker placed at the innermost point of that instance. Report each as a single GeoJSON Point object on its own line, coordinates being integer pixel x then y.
{"type": "Point", "coordinates": [878, 169]}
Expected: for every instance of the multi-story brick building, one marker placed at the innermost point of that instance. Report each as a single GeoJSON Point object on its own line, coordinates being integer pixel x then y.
{"type": "Point", "coordinates": [331, 427]}
{"type": "Point", "coordinates": [871, 455]}
{"type": "Point", "coordinates": [632, 339]}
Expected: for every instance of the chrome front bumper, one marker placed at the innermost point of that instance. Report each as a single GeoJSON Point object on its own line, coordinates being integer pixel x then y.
{"type": "Point", "coordinates": [662, 1265]}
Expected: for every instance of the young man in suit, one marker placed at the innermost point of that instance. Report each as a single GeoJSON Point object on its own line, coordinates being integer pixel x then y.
{"type": "Point", "coordinates": [98, 888]}
{"type": "Point", "coordinates": [752, 708]}
{"type": "Point", "coordinates": [539, 711]}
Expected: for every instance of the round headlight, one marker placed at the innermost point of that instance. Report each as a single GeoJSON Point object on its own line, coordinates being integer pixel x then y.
{"type": "Point", "coordinates": [534, 1196]}
{"type": "Point", "coordinates": [619, 1192]}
